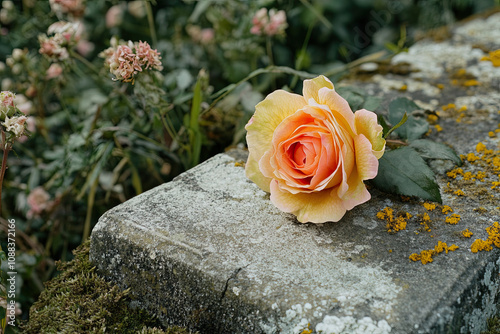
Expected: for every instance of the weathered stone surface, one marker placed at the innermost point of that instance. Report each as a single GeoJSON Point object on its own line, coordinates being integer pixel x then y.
{"type": "Point", "coordinates": [209, 251]}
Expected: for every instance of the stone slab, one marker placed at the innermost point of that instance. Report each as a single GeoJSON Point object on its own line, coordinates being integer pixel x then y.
{"type": "Point", "coordinates": [209, 251]}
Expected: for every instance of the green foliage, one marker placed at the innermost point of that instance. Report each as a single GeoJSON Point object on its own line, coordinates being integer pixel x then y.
{"type": "Point", "coordinates": [402, 171]}
{"type": "Point", "coordinates": [429, 149]}
{"type": "Point", "coordinates": [415, 126]}
{"type": "Point", "coordinates": [79, 301]}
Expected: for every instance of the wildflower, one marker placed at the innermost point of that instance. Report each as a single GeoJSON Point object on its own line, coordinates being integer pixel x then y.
{"type": "Point", "coordinates": [53, 71]}
{"type": "Point", "coordinates": [114, 16]}
{"type": "Point", "coordinates": [125, 61]}
{"type": "Point", "coordinates": [15, 125]}
{"type": "Point", "coordinates": [38, 201]}
{"type": "Point", "coordinates": [270, 24]}
{"type": "Point", "coordinates": [74, 8]}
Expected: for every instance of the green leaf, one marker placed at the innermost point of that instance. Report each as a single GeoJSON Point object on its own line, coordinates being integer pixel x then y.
{"type": "Point", "coordinates": [401, 122]}
{"type": "Point", "coordinates": [415, 127]}
{"type": "Point", "coordinates": [372, 103]}
{"type": "Point", "coordinates": [429, 149]}
{"type": "Point", "coordinates": [403, 171]}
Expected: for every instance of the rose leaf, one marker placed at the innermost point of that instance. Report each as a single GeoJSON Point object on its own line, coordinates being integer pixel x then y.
{"type": "Point", "coordinates": [403, 171]}
{"type": "Point", "coordinates": [415, 127]}
{"type": "Point", "coordinates": [429, 149]}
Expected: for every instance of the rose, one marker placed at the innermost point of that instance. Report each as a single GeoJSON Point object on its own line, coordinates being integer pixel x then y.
{"type": "Point", "coordinates": [312, 153]}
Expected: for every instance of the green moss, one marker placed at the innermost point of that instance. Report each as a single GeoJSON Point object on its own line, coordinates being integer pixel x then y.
{"type": "Point", "coordinates": [79, 301]}
{"type": "Point", "coordinates": [493, 326]}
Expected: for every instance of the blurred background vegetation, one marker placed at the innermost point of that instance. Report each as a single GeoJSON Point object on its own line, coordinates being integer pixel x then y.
{"type": "Point", "coordinates": [96, 142]}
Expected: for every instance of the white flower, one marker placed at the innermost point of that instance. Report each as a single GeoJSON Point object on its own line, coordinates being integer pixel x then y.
{"type": "Point", "coordinates": [15, 125]}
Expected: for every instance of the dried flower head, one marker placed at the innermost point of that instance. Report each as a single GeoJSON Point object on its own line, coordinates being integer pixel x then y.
{"type": "Point", "coordinates": [270, 24]}
{"type": "Point", "coordinates": [38, 201]}
{"type": "Point", "coordinates": [126, 60]}
{"type": "Point", "coordinates": [74, 8]}
{"type": "Point", "coordinates": [15, 125]}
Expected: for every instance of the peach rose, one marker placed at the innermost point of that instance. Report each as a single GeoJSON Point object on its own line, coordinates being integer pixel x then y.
{"type": "Point", "coordinates": [312, 153]}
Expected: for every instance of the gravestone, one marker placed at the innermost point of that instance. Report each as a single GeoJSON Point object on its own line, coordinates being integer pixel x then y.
{"type": "Point", "coordinates": [209, 251]}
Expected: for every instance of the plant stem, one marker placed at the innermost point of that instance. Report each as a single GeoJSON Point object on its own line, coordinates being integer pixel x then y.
{"type": "Point", "coordinates": [151, 22]}
{"type": "Point", "coordinates": [87, 63]}
{"type": "Point", "coordinates": [269, 49]}
{"type": "Point", "coordinates": [6, 149]}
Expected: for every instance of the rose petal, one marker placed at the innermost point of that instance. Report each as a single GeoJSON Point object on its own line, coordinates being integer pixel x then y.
{"type": "Point", "coordinates": [366, 161]}
{"type": "Point", "coordinates": [357, 192]}
{"type": "Point", "coordinates": [311, 87]}
{"type": "Point", "coordinates": [253, 172]}
{"type": "Point", "coordinates": [315, 207]}
{"type": "Point", "coordinates": [366, 124]}
{"type": "Point", "coordinates": [339, 107]}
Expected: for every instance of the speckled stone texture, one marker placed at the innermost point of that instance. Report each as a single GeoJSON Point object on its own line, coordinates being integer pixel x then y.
{"type": "Point", "coordinates": [210, 252]}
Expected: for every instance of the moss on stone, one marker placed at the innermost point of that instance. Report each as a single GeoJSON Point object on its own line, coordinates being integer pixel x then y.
{"type": "Point", "coordinates": [493, 326]}
{"type": "Point", "coordinates": [79, 301]}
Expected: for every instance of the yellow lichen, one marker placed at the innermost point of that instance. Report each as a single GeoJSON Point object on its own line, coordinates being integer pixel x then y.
{"type": "Point", "coordinates": [494, 57]}
{"type": "Point", "coordinates": [394, 224]}
{"type": "Point", "coordinates": [440, 86]}
{"type": "Point", "coordinates": [453, 219]}
{"type": "Point", "coordinates": [454, 172]}
{"type": "Point", "coordinates": [480, 176]}
{"type": "Point", "coordinates": [472, 82]}
{"type": "Point", "coordinates": [471, 157]}
{"type": "Point", "coordinates": [492, 134]}
{"type": "Point", "coordinates": [459, 192]}
{"type": "Point", "coordinates": [466, 233]}
{"type": "Point", "coordinates": [468, 176]}
{"type": "Point", "coordinates": [446, 209]}
{"type": "Point", "coordinates": [480, 245]}
{"type": "Point", "coordinates": [449, 106]}
{"type": "Point", "coordinates": [480, 147]}
{"type": "Point", "coordinates": [438, 128]}
{"type": "Point", "coordinates": [425, 256]}
{"type": "Point", "coordinates": [432, 119]}
{"type": "Point", "coordinates": [493, 239]}
{"type": "Point", "coordinates": [429, 206]}
{"type": "Point", "coordinates": [403, 87]}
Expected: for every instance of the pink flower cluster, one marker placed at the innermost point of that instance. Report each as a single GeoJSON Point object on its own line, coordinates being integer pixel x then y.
{"type": "Point", "coordinates": [126, 60]}
{"type": "Point", "coordinates": [203, 36]}
{"type": "Point", "coordinates": [13, 124]}
{"type": "Point", "coordinates": [38, 201]}
{"type": "Point", "coordinates": [6, 100]}
{"type": "Point", "coordinates": [74, 8]}
{"type": "Point", "coordinates": [64, 34]}
{"type": "Point", "coordinates": [270, 24]}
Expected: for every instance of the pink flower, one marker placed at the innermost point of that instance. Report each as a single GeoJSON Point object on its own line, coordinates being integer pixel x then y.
{"type": "Point", "coordinates": [53, 71]}
{"type": "Point", "coordinates": [270, 25]}
{"type": "Point", "coordinates": [147, 56]}
{"type": "Point", "coordinates": [114, 16]}
{"type": "Point", "coordinates": [30, 126]}
{"type": "Point", "coordinates": [125, 61]}
{"type": "Point", "coordinates": [312, 153]}
{"type": "Point", "coordinates": [74, 8]}
{"type": "Point", "coordinates": [84, 47]}
{"type": "Point", "coordinates": [52, 48]}
{"type": "Point", "coordinates": [207, 36]}
{"type": "Point", "coordinates": [7, 99]}
{"type": "Point", "coordinates": [23, 104]}
{"type": "Point", "coordinates": [38, 201]}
